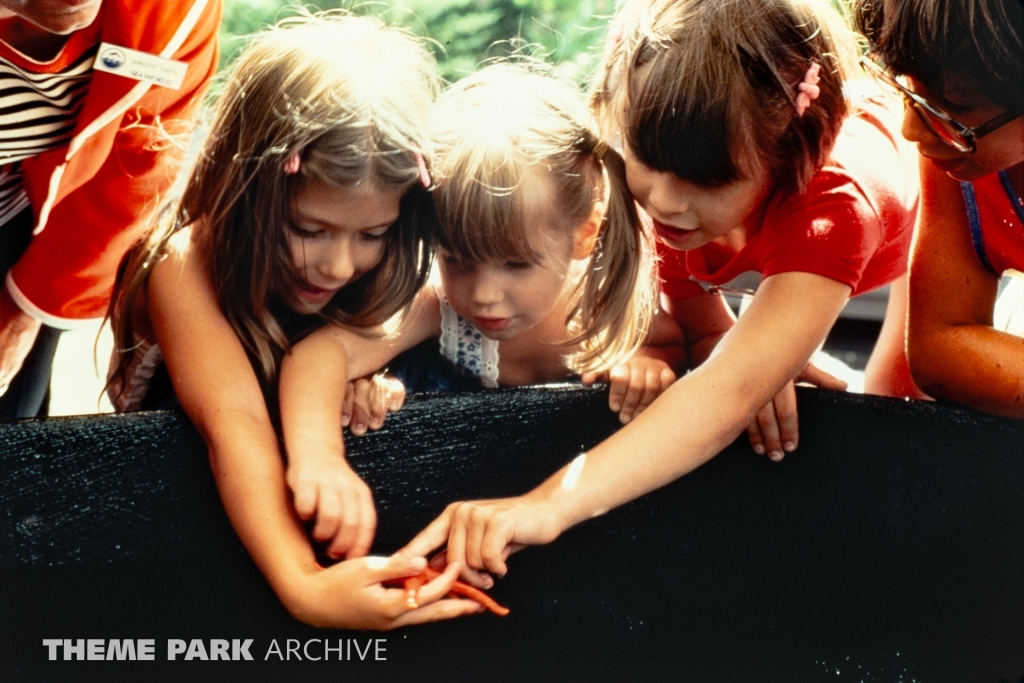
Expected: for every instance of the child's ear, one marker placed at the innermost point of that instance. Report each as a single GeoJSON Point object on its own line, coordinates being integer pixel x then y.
{"type": "Point", "coordinates": [587, 234]}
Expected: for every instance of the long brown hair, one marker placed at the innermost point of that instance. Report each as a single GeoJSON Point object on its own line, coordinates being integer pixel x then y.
{"type": "Point", "coordinates": [698, 86]}
{"type": "Point", "coordinates": [351, 97]}
{"type": "Point", "coordinates": [491, 130]}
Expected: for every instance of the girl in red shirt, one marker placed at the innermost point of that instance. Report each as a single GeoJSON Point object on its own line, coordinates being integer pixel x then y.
{"type": "Point", "coordinates": [963, 64]}
{"type": "Point", "coordinates": [749, 150]}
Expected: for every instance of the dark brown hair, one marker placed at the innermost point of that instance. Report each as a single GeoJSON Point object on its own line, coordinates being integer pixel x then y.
{"type": "Point", "coordinates": [705, 88]}
{"type": "Point", "coordinates": [950, 44]}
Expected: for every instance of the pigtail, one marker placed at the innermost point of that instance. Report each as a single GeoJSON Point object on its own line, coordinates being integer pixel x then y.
{"type": "Point", "coordinates": [619, 289]}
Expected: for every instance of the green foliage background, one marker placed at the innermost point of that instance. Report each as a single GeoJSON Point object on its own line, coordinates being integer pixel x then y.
{"type": "Point", "coordinates": [568, 32]}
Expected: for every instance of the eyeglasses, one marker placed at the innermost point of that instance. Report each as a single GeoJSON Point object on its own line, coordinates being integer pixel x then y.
{"type": "Point", "coordinates": [955, 134]}
{"type": "Point", "coordinates": [738, 292]}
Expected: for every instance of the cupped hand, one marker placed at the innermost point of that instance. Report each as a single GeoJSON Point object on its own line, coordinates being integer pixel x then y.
{"type": "Point", "coordinates": [634, 384]}
{"type": "Point", "coordinates": [351, 595]}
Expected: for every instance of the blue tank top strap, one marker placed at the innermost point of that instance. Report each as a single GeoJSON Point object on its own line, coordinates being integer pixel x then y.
{"type": "Point", "coordinates": [974, 220]}
{"type": "Point", "coordinates": [1004, 178]}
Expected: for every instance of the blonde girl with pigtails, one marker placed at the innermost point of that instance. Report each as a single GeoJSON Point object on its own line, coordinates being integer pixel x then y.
{"type": "Point", "coordinates": [751, 148]}
{"type": "Point", "coordinates": [545, 272]}
{"type": "Point", "coordinates": [306, 206]}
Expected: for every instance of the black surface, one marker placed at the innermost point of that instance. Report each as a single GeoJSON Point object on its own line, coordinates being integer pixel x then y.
{"type": "Point", "coordinates": [890, 547]}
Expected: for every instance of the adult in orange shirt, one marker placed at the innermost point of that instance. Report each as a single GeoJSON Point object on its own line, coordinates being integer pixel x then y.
{"type": "Point", "coordinates": [84, 162]}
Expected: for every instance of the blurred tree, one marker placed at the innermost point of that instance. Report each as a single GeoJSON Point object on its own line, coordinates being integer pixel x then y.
{"type": "Point", "coordinates": [567, 32]}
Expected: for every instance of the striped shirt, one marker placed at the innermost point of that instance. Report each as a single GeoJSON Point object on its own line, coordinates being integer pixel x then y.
{"type": "Point", "coordinates": [38, 112]}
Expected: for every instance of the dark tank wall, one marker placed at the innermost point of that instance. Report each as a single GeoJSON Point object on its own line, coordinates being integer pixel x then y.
{"type": "Point", "coordinates": [889, 547]}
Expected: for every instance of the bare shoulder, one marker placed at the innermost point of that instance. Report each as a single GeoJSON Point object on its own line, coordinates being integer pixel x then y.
{"type": "Point", "coordinates": [178, 266]}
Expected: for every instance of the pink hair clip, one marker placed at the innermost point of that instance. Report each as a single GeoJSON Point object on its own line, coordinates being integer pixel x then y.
{"type": "Point", "coordinates": [291, 167]}
{"type": "Point", "coordinates": [615, 35]}
{"type": "Point", "coordinates": [424, 174]}
{"type": "Point", "coordinates": [808, 89]}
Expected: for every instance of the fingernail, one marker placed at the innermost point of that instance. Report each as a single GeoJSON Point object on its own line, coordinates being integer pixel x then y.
{"type": "Point", "coordinates": [776, 456]}
{"type": "Point", "coordinates": [616, 407]}
{"type": "Point", "coordinates": [759, 449]}
{"type": "Point", "coordinates": [789, 446]}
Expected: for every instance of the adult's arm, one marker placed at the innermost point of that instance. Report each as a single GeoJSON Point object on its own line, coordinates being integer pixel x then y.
{"type": "Point", "coordinates": [953, 350]}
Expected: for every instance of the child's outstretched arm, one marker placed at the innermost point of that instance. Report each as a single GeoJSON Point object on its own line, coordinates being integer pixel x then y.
{"type": "Point", "coordinates": [705, 319]}
{"type": "Point", "coordinates": [218, 389]}
{"type": "Point", "coordinates": [312, 394]}
{"type": "Point", "coordinates": [953, 350]}
{"type": "Point", "coordinates": [636, 382]}
{"type": "Point", "coordinates": [686, 426]}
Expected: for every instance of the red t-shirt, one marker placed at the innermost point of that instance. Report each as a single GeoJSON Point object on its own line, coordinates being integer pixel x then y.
{"type": "Point", "coordinates": [998, 232]}
{"type": "Point", "coordinates": [853, 224]}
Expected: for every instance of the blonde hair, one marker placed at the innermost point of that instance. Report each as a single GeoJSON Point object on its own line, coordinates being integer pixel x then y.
{"type": "Point", "coordinates": [350, 96]}
{"type": "Point", "coordinates": [704, 88]}
{"type": "Point", "coordinates": [491, 131]}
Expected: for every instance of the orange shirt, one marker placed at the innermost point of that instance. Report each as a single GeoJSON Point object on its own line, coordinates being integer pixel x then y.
{"type": "Point", "coordinates": [94, 196]}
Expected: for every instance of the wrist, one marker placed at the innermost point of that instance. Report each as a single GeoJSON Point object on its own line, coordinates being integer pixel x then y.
{"type": "Point", "coordinates": [559, 501]}
{"type": "Point", "coordinates": [307, 448]}
{"type": "Point", "coordinates": [298, 589]}
{"type": "Point", "coordinates": [12, 315]}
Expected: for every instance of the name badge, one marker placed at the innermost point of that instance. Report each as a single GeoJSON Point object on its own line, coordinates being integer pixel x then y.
{"type": "Point", "coordinates": [142, 66]}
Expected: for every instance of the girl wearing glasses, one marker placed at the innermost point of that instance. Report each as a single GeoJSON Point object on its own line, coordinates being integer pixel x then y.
{"type": "Point", "coordinates": [962, 65]}
{"type": "Point", "coordinates": [743, 145]}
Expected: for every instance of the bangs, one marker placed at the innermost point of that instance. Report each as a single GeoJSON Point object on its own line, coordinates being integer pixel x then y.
{"type": "Point", "coordinates": [483, 211]}
{"type": "Point", "coordinates": [486, 225]}
{"type": "Point", "coordinates": [686, 125]}
{"type": "Point", "coordinates": [692, 145]}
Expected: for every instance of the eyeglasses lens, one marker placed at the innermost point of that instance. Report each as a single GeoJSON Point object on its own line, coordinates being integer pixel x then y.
{"type": "Point", "coordinates": [941, 127]}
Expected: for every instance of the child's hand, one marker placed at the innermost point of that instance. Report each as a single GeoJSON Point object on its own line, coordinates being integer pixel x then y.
{"type": "Point", "coordinates": [634, 384]}
{"type": "Point", "coordinates": [325, 487]}
{"type": "Point", "coordinates": [481, 534]}
{"type": "Point", "coordinates": [350, 595]}
{"type": "Point", "coordinates": [368, 400]}
{"type": "Point", "coordinates": [775, 429]}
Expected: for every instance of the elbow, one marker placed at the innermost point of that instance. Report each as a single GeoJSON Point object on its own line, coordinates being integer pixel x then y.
{"type": "Point", "coordinates": [928, 365]}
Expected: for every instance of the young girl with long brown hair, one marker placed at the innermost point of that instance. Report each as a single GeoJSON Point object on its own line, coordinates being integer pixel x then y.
{"type": "Point", "coordinates": [305, 206]}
